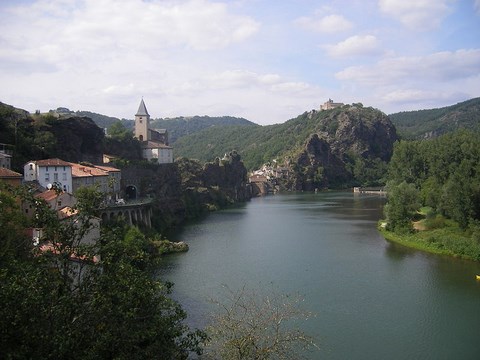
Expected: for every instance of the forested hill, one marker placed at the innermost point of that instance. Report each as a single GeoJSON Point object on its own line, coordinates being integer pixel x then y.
{"type": "Point", "coordinates": [182, 126]}
{"type": "Point", "coordinates": [350, 131]}
{"type": "Point", "coordinates": [176, 126]}
{"type": "Point", "coordinates": [434, 122]}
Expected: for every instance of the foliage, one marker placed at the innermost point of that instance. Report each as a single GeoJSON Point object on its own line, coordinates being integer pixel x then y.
{"type": "Point", "coordinates": [402, 205]}
{"type": "Point", "coordinates": [435, 122]}
{"type": "Point", "coordinates": [260, 145]}
{"type": "Point", "coordinates": [250, 326]}
{"type": "Point", "coordinates": [14, 243]}
{"type": "Point", "coordinates": [182, 126]}
{"type": "Point", "coordinates": [118, 131]}
{"type": "Point", "coordinates": [442, 174]}
{"type": "Point", "coordinates": [65, 301]}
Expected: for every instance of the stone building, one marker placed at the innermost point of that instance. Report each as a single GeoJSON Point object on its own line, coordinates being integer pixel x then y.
{"type": "Point", "coordinates": [330, 105]}
{"type": "Point", "coordinates": [154, 142]}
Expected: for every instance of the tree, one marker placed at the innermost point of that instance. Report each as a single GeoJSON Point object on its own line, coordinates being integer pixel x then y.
{"type": "Point", "coordinates": [250, 326]}
{"type": "Point", "coordinates": [115, 310]}
{"type": "Point", "coordinates": [13, 240]}
{"type": "Point", "coordinates": [403, 202]}
{"type": "Point", "coordinates": [118, 131]}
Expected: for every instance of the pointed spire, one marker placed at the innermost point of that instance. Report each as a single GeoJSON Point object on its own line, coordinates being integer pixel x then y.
{"type": "Point", "coordinates": [142, 109]}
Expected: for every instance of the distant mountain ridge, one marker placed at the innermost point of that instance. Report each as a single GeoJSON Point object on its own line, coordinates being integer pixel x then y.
{"type": "Point", "coordinates": [182, 126]}
{"type": "Point", "coordinates": [177, 127]}
{"type": "Point", "coordinates": [429, 123]}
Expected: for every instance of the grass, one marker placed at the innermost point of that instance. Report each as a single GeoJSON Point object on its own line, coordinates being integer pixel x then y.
{"type": "Point", "coordinates": [448, 240]}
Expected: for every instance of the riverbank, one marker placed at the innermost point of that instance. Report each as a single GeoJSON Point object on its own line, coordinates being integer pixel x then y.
{"type": "Point", "coordinates": [448, 241]}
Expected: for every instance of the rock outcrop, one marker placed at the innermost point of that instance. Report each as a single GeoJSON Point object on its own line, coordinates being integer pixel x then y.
{"type": "Point", "coordinates": [345, 137]}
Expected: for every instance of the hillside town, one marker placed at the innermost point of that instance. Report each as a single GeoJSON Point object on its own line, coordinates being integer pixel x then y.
{"type": "Point", "coordinates": [55, 182]}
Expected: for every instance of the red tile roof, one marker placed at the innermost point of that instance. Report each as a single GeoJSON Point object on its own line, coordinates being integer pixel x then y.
{"type": "Point", "coordinates": [51, 162]}
{"type": "Point", "coordinates": [86, 171]}
{"type": "Point", "coordinates": [107, 168]}
{"type": "Point", "coordinates": [7, 173]}
{"type": "Point", "coordinates": [47, 195]}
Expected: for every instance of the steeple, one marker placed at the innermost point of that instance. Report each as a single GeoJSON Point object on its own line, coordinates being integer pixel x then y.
{"type": "Point", "coordinates": [142, 119]}
{"type": "Point", "coordinates": [142, 110]}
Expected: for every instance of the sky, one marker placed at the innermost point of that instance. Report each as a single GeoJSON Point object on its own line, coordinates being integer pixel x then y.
{"type": "Point", "coordinates": [266, 61]}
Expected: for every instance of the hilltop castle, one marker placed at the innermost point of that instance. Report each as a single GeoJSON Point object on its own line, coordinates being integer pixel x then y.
{"type": "Point", "coordinates": [330, 105]}
{"type": "Point", "coordinates": [154, 142]}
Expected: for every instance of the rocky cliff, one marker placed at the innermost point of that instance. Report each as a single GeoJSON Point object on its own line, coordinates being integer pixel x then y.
{"type": "Point", "coordinates": [348, 142]}
{"type": "Point", "coordinates": [187, 189]}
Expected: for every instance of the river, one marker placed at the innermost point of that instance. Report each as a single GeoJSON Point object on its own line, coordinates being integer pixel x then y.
{"type": "Point", "coordinates": [372, 299]}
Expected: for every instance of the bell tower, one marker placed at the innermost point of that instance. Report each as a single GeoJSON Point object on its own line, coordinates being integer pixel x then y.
{"type": "Point", "coordinates": [142, 120]}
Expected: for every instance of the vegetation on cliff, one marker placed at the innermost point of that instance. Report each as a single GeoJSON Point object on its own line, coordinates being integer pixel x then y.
{"type": "Point", "coordinates": [359, 140]}
{"type": "Point", "coordinates": [434, 191]}
{"type": "Point", "coordinates": [435, 122]}
{"type": "Point", "coordinates": [34, 137]}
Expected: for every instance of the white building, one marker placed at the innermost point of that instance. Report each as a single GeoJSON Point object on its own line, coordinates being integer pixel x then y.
{"type": "Point", "coordinates": [49, 172]}
{"type": "Point", "coordinates": [154, 142]}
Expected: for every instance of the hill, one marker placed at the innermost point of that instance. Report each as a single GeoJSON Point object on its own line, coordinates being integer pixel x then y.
{"type": "Point", "coordinates": [33, 137]}
{"type": "Point", "coordinates": [177, 127]}
{"type": "Point", "coordinates": [182, 126]}
{"type": "Point", "coordinates": [434, 122]}
{"type": "Point", "coordinates": [340, 142]}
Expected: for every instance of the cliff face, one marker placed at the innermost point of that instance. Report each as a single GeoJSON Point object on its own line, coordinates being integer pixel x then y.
{"type": "Point", "coordinates": [345, 137]}
{"type": "Point", "coordinates": [77, 139]}
{"type": "Point", "coordinates": [34, 137]}
{"type": "Point", "coordinates": [186, 189]}
{"type": "Point", "coordinates": [364, 132]}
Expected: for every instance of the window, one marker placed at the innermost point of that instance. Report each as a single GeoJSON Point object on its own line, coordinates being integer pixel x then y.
{"type": "Point", "coordinates": [46, 169]}
{"type": "Point", "coordinates": [64, 177]}
{"type": "Point", "coordinates": [31, 166]}
{"type": "Point", "coordinates": [55, 177]}
{"type": "Point", "coordinates": [47, 177]}
{"type": "Point", "coordinates": [55, 168]}
{"type": "Point", "coordinates": [59, 203]}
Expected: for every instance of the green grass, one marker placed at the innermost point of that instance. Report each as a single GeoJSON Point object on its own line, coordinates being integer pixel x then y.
{"type": "Point", "coordinates": [449, 240]}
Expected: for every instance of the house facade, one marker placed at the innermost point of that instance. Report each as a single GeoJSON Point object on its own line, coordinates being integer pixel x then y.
{"type": "Point", "coordinates": [106, 178]}
{"type": "Point", "coordinates": [50, 172]}
{"type": "Point", "coordinates": [154, 142]}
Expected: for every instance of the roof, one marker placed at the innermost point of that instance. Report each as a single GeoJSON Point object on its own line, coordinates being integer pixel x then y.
{"type": "Point", "coordinates": [7, 173]}
{"type": "Point", "coordinates": [51, 162]}
{"type": "Point", "coordinates": [86, 171]}
{"type": "Point", "coordinates": [160, 131]}
{"type": "Point", "coordinates": [47, 195]}
{"type": "Point", "coordinates": [155, 145]}
{"type": "Point", "coordinates": [142, 110]}
{"type": "Point", "coordinates": [107, 168]}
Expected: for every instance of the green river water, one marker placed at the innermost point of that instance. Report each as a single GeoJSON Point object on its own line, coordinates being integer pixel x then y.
{"type": "Point", "coordinates": [372, 299]}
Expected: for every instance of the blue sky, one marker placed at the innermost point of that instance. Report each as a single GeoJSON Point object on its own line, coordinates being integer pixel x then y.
{"type": "Point", "coordinates": [267, 61]}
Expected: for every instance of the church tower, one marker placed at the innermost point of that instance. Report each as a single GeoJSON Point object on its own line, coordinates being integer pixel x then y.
{"type": "Point", "coordinates": [142, 120]}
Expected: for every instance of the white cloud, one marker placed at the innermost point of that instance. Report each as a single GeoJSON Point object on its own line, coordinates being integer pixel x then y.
{"type": "Point", "coordinates": [53, 31]}
{"type": "Point", "coordinates": [409, 83]}
{"type": "Point", "coordinates": [441, 66]}
{"type": "Point", "coordinates": [327, 24]}
{"type": "Point", "coordinates": [417, 14]}
{"type": "Point", "coordinates": [357, 45]}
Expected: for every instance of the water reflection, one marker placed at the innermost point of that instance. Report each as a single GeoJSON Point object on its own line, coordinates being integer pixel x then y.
{"type": "Point", "coordinates": [373, 299]}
